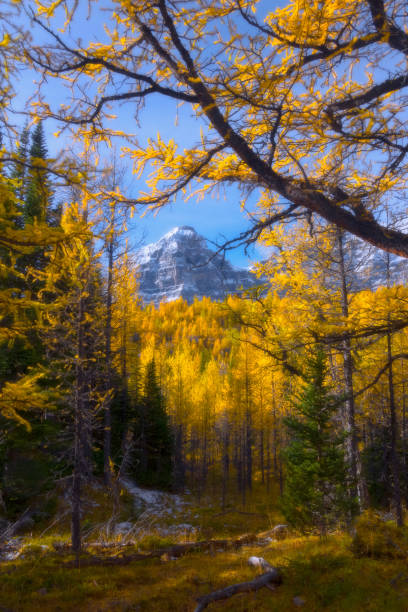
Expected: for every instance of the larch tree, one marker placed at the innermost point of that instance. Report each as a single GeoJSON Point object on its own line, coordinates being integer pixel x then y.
{"type": "Point", "coordinates": [282, 96]}
{"type": "Point", "coordinates": [75, 348]}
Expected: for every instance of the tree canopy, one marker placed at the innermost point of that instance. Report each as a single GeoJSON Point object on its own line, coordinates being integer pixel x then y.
{"type": "Point", "coordinates": [305, 103]}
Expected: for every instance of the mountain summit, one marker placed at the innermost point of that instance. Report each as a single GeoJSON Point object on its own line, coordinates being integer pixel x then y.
{"type": "Point", "coordinates": [180, 264]}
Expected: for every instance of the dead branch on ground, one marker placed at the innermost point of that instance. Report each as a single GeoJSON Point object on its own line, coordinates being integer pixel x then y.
{"type": "Point", "coordinates": [268, 579]}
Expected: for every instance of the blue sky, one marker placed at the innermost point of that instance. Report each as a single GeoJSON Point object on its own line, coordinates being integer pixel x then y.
{"type": "Point", "coordinates": [217, 218]}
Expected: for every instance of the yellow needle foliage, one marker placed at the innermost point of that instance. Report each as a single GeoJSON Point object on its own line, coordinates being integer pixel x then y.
{"type": "Point", "coordinates": [297, 101]}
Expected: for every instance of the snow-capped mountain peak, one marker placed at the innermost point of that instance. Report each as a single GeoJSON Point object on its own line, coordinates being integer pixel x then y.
{"type": "Point", "coordinates": [180, 264]}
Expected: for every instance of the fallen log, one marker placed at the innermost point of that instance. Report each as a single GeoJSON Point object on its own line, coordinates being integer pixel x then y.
{"type": "Point", "coordinates": [107, 561]}
{"type": "Point", "coordinates": [175, 551]}
{"type": "Point", "coordinates": [273, 577]}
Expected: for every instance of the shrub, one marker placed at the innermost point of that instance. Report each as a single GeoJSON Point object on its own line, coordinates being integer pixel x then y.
{"type": "Point", "coordinates": [376, 538]}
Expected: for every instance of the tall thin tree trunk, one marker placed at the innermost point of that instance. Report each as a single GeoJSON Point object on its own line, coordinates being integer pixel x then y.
{"type": "Point", "coordinates": [262, 454]}
{"type": "Point", "coordinates": [240, 466]}
{"type": "Point", "coordinates": [107, 446]}
{"type": "Point", "coordinates": [404, 420]}
{"type": "Point", "coordinates": [275, 435]}
{"type": "Point", "coordinates": [124, 368]}
{"type": "Point", "coordinates": [179, 467]}
{"type": "Point", "coordinates": [225, 462]}
{"type": "Point", "coordinates": [248, 427]}
{"type": "Point", "coordinates": [262, 438]}
{"type": "Point", "coordinates": [204, 460]}
{"type": "Point", "coordinates": [248, 450]}
{"type": "Point", "coordinates": [78, 434]}
{"type": "Point", "coordinates": [395, 464]}
{"type": "Point", "coordinates": [358, 487]}
{"type": "Point", "coordinates": [268, 461]}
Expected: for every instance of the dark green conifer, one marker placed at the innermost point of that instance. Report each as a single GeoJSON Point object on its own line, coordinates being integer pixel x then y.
{"type": "Point", "coordinates": [153, 438]}
{"type": "Point", "coordinates": [315, 493]}
{"type": "Point", "coordinates": [38, 196]}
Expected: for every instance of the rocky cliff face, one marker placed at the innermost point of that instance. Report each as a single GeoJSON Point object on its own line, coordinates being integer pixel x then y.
{"type": "Point", "coordinates": [181, 265]}
{"type": "Point", "coordinates": [374, 272]}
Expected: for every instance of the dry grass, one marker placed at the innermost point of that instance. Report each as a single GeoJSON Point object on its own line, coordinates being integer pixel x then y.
{"type": "Point", "coordinates": [323, 572]}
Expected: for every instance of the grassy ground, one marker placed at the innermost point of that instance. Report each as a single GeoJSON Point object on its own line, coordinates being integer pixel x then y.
{"type": "Point", "coordinates": [323, 572]}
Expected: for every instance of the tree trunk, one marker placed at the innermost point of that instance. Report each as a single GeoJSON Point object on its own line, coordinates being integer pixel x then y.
{"type": "Point", "coordinates": [124, 377]}
{"type": "Point", "coordinates": [275, 435]}
{"type": "Point", "coordinates": [248, 450]}
{"type": "Point", "coordinates": [268, 462]}
{"type": "Point", "coordinates": [248, 427]}
{"type": "Point", "coordinates": [225, 463]}
{"type": "Point", "coordinates": [395, 465]}
{"type": "Point", "coordinates": [179, 467]}
{"type": "Point", "coordinates": [107, 446]}
{"type": "Point", "coordinates": [404, 424]}
{"type": "Point", "coordinates": [261, 454]}
{"type": "Point", "coordinates": [78, 433]}
{"type": "Point", "coordinates": [358, 486]}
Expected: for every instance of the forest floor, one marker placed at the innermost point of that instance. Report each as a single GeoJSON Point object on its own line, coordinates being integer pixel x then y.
{"type": "Point", "coordinates": [318, 573]}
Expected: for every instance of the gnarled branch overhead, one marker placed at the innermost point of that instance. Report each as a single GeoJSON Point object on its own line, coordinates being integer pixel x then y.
{"type": "Point", "coordinates": [305, 104]}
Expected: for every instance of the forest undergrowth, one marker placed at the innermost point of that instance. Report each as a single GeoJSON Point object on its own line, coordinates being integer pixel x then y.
{"type": "Point", "coordinates": [341, 571]}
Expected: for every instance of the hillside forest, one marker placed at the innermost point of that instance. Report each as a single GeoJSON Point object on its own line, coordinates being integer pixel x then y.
{"type": "Point", "coordinates": [188, 437]}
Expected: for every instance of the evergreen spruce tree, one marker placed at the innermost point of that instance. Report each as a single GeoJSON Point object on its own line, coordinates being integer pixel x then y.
{"type": "Point", "coordinates": [37, 197]}
{"type": "Point", "coordinates": [315, 493]}
{"type": "Point", "coordinates": [153, 438]}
